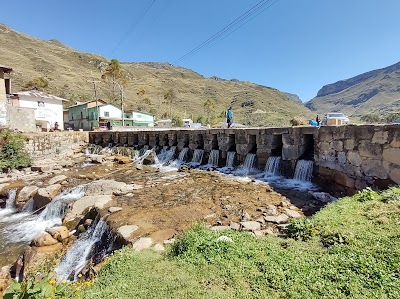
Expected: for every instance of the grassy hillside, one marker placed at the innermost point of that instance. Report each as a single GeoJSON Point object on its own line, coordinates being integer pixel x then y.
{"type": "Point", "coordinates": [68, 72]}
{"type": "Point", "coordinates": [350, 249]}
{"type": "Point", "coordinates": [374, 91]}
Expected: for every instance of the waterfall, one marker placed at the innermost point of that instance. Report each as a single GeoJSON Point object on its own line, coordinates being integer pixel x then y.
{"type": "Point", "coordinates": [29, 207]}
{"type": "Point", "coordinates": [143, 150]}
{"type": "Point", "coordinates": [183, 154]}
{"type": "Point", "coordinates": [49, 217]}
{"type": "Point", "coordinates": [81, 251]}
{"type": "Point", "coordinates": [248, 165]}
{"type": "Point", "coordinates": [213, 158]}
{"type": "Point", "coordinates": [273, 166]}
{"type": "Point", "coordinates": [230, 159]}
{"type": "Point", "coordinates": [93, 149]}
{"type": "Point", "coordinates": [10, 202]}
{"type": "Point", "coordinates": [166, 154]}
{"type": "Point", "coordinates": [304, 170]}
{"type": "Point", "coordinates": [197, 156]}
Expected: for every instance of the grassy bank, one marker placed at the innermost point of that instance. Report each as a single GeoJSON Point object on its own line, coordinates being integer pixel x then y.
{"type": "Point", "coordinates": [354, 252]}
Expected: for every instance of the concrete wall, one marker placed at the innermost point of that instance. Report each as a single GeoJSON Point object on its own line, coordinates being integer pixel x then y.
{"type": "Point", "coordinates": [54, 143]}
{"type": "Point", "coordinates": [20, 118]}
{"type": "Point", "coordinates": [346, 158]}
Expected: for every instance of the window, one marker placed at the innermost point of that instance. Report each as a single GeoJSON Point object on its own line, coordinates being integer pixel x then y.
{"type": "Point", "coordinates": [106, 114]}
{"type": "Point", "coordinates": [72, 116]}
{"type": "Point", "coordinates": [92, 115]}
{"type": "Point", "coordinates": [81, 115]}
{"type": "Point", "coordinates": [40, 104]}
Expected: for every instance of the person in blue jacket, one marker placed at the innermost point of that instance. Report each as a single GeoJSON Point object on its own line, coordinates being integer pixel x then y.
{"type": "Point", "coordinates": [229, 117]}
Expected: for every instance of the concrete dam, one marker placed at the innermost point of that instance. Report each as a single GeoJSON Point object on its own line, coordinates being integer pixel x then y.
{"type": "Point", "coordinates": [345, 158]}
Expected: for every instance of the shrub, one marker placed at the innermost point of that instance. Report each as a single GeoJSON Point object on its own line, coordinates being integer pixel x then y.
{"type": "Point", "coordinates": [298, 121]}
{"type": "Point", "coordinates": [392, 194]}
{"type": "Point", "coordinates": [12, 152]}
{"type": "Point", "coordinates": [366, 195]}
{"type": "Point", "coordinates": [329, 239]}
{"type": "Point", "coordinates": [300, 229]}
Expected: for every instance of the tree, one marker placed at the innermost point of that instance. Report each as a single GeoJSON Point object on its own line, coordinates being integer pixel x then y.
{"type": "Point", "coordinates": [209, 106]}
{"type": "Point", "coordinates": [116, 77]}
{"type": "Point", "coordinates": [177, 121]}
{"type": "Point", "coordinates": [39, 83]}
{"type": "Point", "coordinates": [170, 98]}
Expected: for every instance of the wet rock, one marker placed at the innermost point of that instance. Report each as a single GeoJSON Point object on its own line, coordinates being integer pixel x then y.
{"type": "Point", "coordinates": [126, 230]}
{"type": "Point", "coordinates": [149, 159]}
{"type": "Point", "coordinates": [323, 196]}
{"type": "Point", "coordinates": [25, 194]}
{"type": "Point", "coordinates": [81, 228]}
{"type": "Point", "coordinates": [250, 225]}
{"type": "Point", "coordinates": [114, 209]}
{"type": "Point", "coordinates": [43, 239]}
{"type": "Point", "coordinates": [46, 195]}
{"type": "Point", "coordinates": [282, 218]}
{"type": "Point", "coordinates": [59, 233]}
{"type": "Point", "coordinates": [80, 205]}
{"type": "Point", "coordinates": [225, 239]}
{"type": "Point", "coordinates": [142, 243]}
{"type": "Point", "coordinates": [57, 179]}
{"type": "Point", "coordinates": [292, 214]}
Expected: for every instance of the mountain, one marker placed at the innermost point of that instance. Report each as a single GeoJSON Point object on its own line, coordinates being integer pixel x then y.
{"type": "Point", "coordinates": [69, 74]}
{"type": "Point", "coordinates": [377, 91]}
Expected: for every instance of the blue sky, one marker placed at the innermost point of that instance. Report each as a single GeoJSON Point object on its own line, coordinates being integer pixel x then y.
{"type": "Point", "coordinates": [296, 46]}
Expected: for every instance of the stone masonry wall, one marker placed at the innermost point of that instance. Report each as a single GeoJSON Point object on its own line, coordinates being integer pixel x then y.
{"type": "Point", "coordinates": [54, 143]}
{"type": "Point", "coordinates": [21, 118]}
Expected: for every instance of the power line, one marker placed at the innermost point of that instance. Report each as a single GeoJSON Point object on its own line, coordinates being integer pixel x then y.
{"type": "Point", "coordinates": [245, 17]}
{"type": "Point", "coordinates": [133, 26]}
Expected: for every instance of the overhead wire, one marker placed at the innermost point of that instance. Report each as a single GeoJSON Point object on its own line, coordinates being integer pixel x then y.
{"type": "Point", "coordinates": [245, 17]}
{"type": "Point", "coordinates": [133, 26]}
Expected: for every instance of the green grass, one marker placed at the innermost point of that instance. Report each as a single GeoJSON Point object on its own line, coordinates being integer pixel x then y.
{"type": "Point", "coordinates": [355, 253]}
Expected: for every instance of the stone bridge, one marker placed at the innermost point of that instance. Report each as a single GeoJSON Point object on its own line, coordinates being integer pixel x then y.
{"type": "Point", "coordinates": [346, 158]}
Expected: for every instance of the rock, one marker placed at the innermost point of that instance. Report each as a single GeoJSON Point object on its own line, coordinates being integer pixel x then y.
{"type": "Point", "coordinates": [282, 218]}
{"type": "Point", "coordinates": [323, 196]}
{"type": "Point", "coordinates": [80, 205]}
{"type": "Point", "coordinates": [246, 216]}
{"type": "Point", "coordinates": [149, 159]}
{"type": "Point", "coordinates": [3, 189]}
{"type": "Point", "coordinates": [292, 214]}
{"type": "Point", "coordinates": [123, 160]}
{"type": "Point", "coordinates": [219, 228]}
{"type": "Point", "coordinates": [43, 239]}
{"type": "Point", "coordinates": [26, 194]}
{"type": "Point", "coordinates": [98, 159]}
{"type": "Point", "coordinates": [114, 209]}
{"type": "Point", "coordinates": [42, 168]}
{"type": "Point", "coordinates": [250, 225]}
{"type": "Point", "coordinates": [169, 242]}
{"type": "Point", "coordinates": [235, 226]}
{"type": "Point", "coordinates": [59, 233]}
{"type": "Point", "coordinates": [51, 249]}
{"type": "Point", "coordinates": [81, 228]}
{"type": "Point", "coordinates": [142, 243]}
{"type": "Point", "coordinates": [57, 179]}
{"type": "Point", "coordinates": [260, 220]}
{"type": "Point", "coordinates": [271, 210]}
{"type": "Point", "coordinates": [159, 248]}
{"type": "Point", "coordinates": [107, 187]}
{"type": "Point", "coordinates": [283, 204]}
{"type": "Point", "coordinates": [46, 195]}
{"type": "Point", "coordinates": [224, 239]}
{"type": "Point", "coordinates": [126, 230]}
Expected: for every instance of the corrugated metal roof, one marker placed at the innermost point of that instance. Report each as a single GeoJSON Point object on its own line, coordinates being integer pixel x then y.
{"type": "Point", "coordinates": [39, 94]}
{"type": "Point", "coordinates": [6, 68]}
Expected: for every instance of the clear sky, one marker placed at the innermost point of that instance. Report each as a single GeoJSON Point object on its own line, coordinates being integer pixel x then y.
{"type": "Point", "coordinates": [296, 46]}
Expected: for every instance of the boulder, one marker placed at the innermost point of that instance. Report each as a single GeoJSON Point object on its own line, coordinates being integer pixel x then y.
{"type": "Point", "coordinates": [98, 159]}
{"type": "Point", "coordinates": [123, 160]}
{"type": "Point", "coordinates": [126, 230]}
{"type": "Point", "coordinates": [159, 248]}
{"type": "Point", "coordinates": [292, 213]}
{"type": "Point", "coordinates": [46, 195]}
{"type": "Point", "coordinates": [114, 209]}
{"type": "Point", "coordinates": [107, 187]}
{"type": "Point", "coordinates": [25, 195]}
{"type": "Point", "coordinates": [149, 159]}
{"type": "Point", "coordinates": [250, 225]}
{"type": "Point", "coordinates": [142, 243]}
{"type": "Point", "coordinates": [59, 233]}
{"type": "Point", "coordinates": [57, 179]}
{"type": "Point", "coordinates": [323, 196]}
{"type": "Point", "coordinates": [80, 205]}
{"type": "Point", "coordinates": [43, 239]}
{"type": "Point", "coordinates": [282, 218]}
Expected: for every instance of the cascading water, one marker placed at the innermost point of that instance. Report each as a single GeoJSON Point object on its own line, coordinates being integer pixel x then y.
{"type": "Point", "coordinates": [230, 159]}
{"type": "Point", "coordinates": [10, 205]}
{"type": "Point", "coordinates": [197, 156]}
{"type": "Point", "coordinates": [49, 217]}
{"type": "Point", "coordinates": [82, 251]}
{"type": "Point", "coordinates": [166, 154]}
{"type": "Point", "coordinates": [143, 150]}
{"type": "Point", "coordinates": [93, 149]}
{"type": "Point", "coordinates": [273, 166]}
{"type": "Point", "coordinates": [183, 155]}
{"type": "Point", "coordinates": [213, 158]}
{"type": "Point", "coordinates": [304, 170]}
{"type": "Point", "coordinates": [248, 166]}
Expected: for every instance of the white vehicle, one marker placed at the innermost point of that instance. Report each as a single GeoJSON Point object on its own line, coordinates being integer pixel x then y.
{"type": "Point", "coordinates": [335, 118]}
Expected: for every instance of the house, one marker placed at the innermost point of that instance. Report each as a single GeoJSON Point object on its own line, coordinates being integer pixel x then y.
{"type": "Point", "coordinates": [94, 114]}
{"type": "Point", "coordinates": [164, 123]}
{"type": "Point", "coordinates": [47, 108]}
{"type": "Point", "coordinates": [5, 89]}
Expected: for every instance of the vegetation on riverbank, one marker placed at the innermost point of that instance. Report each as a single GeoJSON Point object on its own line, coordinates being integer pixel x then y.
{"type": "Point", "coordinates": [353, 250]}
{"type": "Point", "coordinates": [12, 150]}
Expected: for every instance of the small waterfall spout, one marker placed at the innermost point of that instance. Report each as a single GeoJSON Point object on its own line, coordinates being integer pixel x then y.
{"type": "Point", "coordinates": [248, 165]}
{"type": "Point", "coordinates": [213, 158]}
{"type": "Point", "coordinates": [197, 156]}
{"type": "Point", "coordinates": [81, 252]}
{"type": "Point", "coordinates": [304, 170]}
{"type": "Point", "coordinates": [10, 202]}
{"type": "Point", "coordinates": [166, 154]}
{"type": "Point", "coordinates": [273, 166]}
{"type": "Point", "coordinates": [230, 159]}
{"type": "Point", "coordinates": [183, 154]}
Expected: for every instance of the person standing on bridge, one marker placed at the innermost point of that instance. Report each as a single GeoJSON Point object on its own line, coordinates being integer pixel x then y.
{"type": "Point", "coordinates": [229, 117]}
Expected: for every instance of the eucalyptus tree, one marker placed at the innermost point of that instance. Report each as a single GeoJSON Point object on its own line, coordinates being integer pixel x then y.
{"type": "Point", "coordinates": [116, 78]}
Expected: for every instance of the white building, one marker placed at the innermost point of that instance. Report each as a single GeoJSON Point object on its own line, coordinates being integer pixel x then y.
{"type": "Point", "coordinates": [48, 108]}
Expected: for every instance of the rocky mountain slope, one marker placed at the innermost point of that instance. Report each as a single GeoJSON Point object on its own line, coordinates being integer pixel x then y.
{"type": "Point", "coordinates": [377, 90]}
{"type": "Point", "coordinates": [69, 73]}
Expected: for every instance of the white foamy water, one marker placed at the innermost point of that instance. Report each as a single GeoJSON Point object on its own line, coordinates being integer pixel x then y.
{"type": "Point", "coordinates": [304, 170]}
{"type": "Point", "coordinates": [273, 166]}
{"type": "Point", "coordinates": [9, 208]}
{"type": "Point", "coordinates": [51, 216]}
{"type": "Point", "coordinates": [247, 167]}
{"type": "Point", "coordinates": [80, 252]}
{"type": "Point", "coordinates": [230, 159]}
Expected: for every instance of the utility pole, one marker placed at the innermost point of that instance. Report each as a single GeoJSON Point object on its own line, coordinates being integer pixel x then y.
{"type": "Point", "coordinates": [121, 89]}
{"type": "Point", "coordinates": [95, 97]}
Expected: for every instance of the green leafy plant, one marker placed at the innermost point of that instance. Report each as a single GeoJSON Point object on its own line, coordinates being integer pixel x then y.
{"type": "Point", "coordinates": [367, 194]}
{"type": "Point", "coordinates": [329, 239]}
{"type": "Point", "coordinates": [12, 152]}
{"type": "Point", "coordinates": [300, 229]}
{"type": "Point", "coordinates": [392, 194]}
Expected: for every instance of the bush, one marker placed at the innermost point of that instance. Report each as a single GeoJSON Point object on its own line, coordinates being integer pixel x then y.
{"type": "Point", "coordinates": [12, 152]}
{"type": "Point", "coordinates": [366, 195]}
{"type": "Point", "coordinates": [329, 239]}
{"type": "Point", "coordinates": [298, 121]}
{"type": "Point", "coordinates": [392, 194]}
{"type": "Point", "coordinates": [300, 229]}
